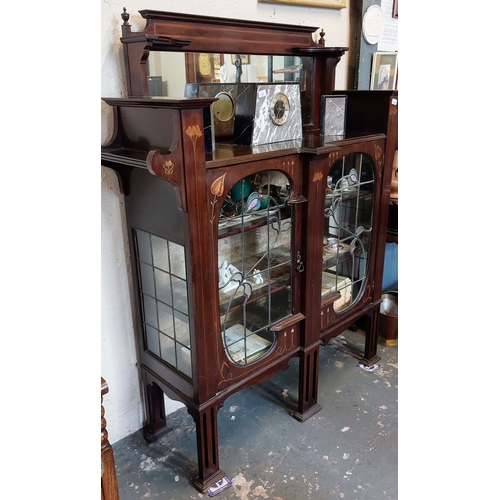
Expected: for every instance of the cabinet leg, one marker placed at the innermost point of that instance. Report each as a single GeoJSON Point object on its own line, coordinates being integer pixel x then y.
{"type": "Point", "coordinates": [308, 384]}
{"type": "Point", "coordinates": [208, 447]}
{"type": "Point", "coordinates": [156, 424]}
{"type": "Point", "coordinates": [371, 338]}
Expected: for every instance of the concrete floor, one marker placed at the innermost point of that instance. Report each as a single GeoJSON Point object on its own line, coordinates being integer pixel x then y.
{"type": "Point", "coordinates": [348, 450]}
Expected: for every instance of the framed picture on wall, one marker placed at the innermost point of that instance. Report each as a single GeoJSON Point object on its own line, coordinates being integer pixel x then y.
{"type": "Point", "coordinates": [245, 58]}
{"type": "Point", "coordinates": [329, 4]}
{"type": "Point", "coordinates": [384, 71]}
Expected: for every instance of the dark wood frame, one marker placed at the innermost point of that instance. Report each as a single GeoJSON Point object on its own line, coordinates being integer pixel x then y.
{"type": "Point", "coordinates": [326, 4]}
{"type": "Point", "coordinates": [183, 191]}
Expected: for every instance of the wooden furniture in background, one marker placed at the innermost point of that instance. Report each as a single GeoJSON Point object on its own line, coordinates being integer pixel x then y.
{"type": "Point", "coordinates": [109, 484]}
{"type": "Point", "coordinates": [392, 224]}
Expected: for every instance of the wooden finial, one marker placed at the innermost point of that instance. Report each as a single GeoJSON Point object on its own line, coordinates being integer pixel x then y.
{"type": "Point", "coordinates": [125, 17]}
{"type": "Point", "coordinates": [322, 39]}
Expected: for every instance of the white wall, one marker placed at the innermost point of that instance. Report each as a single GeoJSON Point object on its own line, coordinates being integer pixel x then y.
{"type": "Point", "coordinates": [119, 365]}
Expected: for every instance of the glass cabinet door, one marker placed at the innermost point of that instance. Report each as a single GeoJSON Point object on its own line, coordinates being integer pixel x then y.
{"type": "Point", "coordinates": [347, 229]}
{"type": "Point", "coordinates": [254, 260]}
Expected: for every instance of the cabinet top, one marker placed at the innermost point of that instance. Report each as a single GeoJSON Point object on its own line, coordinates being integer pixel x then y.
{"type": "Point", "coordinates": [197, 33]}
{"type": "Point", "coordinates": [160, 102]}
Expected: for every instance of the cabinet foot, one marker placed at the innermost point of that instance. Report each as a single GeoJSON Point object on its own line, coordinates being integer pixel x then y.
{"type": "Point", "coordinates": [302, 417]}
{"type": "Point", "coordinates": [371, 337]}
{"type": "Point", "coordinates": [152, 436]}
{"type": "Point", "coordinates": [371, 361]}
{"type": "Point", "coordinates": [207, 439]}
{"type": "Point", "coordinates": [156, 423]}
{"type": "Point", "coordinates": [204, 486]}
{"type": "Point", "coordinates": [308, 384]}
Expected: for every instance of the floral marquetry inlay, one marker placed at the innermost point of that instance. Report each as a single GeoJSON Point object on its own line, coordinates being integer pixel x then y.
{"type": "Point", "coordinates": [289, 342]}
{"type": "Point", "coordinates": [332, 158]}
{"type": "Point", "coordinates": [217, 189]}
{"type": "Point", "coordinates": [225, 373]}
{"type": "Point", "coordinates": [168, 167]}
{"type": "Point", "coordinates": [194, 132]}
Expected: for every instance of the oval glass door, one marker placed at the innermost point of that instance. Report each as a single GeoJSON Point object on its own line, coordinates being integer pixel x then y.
{"type": "Point", "coordinates": [254, 259]}
{"type": "Point", "coordinates": [347, 229]}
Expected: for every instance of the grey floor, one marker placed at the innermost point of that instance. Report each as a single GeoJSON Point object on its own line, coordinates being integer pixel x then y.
{"type": "Point", "coordinates": [348, 450]}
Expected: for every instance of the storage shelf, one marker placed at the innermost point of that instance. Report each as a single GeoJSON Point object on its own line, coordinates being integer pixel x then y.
{"type": "Point", "coordinates": [248, 222]}
{"type": "Point", "coordinates": [256, 295]}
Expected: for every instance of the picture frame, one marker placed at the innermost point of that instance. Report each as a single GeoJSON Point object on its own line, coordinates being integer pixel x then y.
{"type": "Point", "coordinates": [333, 115]}
{"type": "Point", "coordinates": [384, 71]}
{"type": "Point", "coordinates": [245, 58]}
{"type": "Point", "coordinates": [327, 4]}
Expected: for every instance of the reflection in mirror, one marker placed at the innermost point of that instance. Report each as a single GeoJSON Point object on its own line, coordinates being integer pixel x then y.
{"type": "Point", "coordinates": [168, 72]}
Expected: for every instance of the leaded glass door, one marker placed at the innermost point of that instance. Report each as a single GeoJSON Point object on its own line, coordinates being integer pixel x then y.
{"type": "Point", "coordinates": [349, 202]}
{"type": "Point", "coordinates": [254, 264]}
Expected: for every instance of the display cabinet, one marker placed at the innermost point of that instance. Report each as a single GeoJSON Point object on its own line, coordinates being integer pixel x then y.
{"type": "Point", "coordinates": [348, 192]}
{"type": "Point", "coordinates": [357, 214]}
{"type": "Point", "coordinates": [243, 257]}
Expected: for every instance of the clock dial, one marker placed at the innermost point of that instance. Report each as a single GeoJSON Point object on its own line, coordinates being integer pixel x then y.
{"type": "Point", "coordinates": [280, 108]}
{"type": "Point", "coordinates": [224, 107]}
{"type": "Point", "coordinates": [266, 113]}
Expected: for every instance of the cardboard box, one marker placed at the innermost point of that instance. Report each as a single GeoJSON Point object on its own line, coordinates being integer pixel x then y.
{"type": "Point", "coordinates": [332, 283]}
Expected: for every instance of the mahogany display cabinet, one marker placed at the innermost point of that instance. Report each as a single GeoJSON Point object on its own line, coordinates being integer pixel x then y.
{"type": "Point", "coordinates": [243, 256]}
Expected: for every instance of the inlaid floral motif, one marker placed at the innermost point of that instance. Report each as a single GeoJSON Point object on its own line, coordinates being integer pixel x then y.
{"type": "Point", "coordinates": [168, 167]}
{"type": "Point", "coordinates": [217, 189]}
{"type": "Point", "coordinates": [194, 132]}
{"type": "Point", "coordinates": [225, 373]}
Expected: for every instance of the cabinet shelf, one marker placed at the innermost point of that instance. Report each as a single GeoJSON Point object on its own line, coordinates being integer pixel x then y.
{"type": "Point", "coordinates": [336, 259]}
{"type": "Point", "coordinates": [350, 195]}
{"type": "Point", "coordinates": [259, 293]}
{"type": "Point", "coordinates": [248, 222]}
{"type": "Point", "coordinates": [125, 156]}
{"type": "Point", "coordinates": [258, 317]}
{"type": "Point", "coordinates": [276, 278]}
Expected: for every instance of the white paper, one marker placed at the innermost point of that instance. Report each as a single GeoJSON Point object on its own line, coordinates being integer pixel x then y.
{"type": "Point", "coordinates": [389, 40]}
